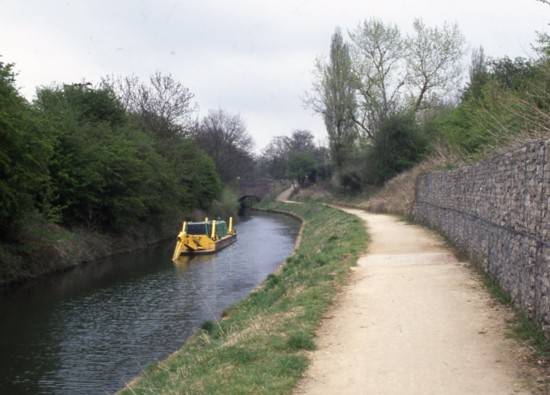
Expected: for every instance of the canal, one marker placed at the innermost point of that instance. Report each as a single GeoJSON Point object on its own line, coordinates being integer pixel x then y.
{"type": "Point", "coordinates": [91, 330]}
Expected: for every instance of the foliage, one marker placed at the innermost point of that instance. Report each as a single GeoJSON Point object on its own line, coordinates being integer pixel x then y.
{"type": "Point", "coordinates": [226, 205]}
{"type": "Point", "coordinates": [399, 144]}
{"type": "Point", "coordinates": [334, 98]}
{"type": "Point", "coordinates": [24, 154]}
{"type": "Point", "coordinates": [370, 81]}
{"type": "Point", "coordinates": [392, 73]}
{"type": "Point", "coordinates": [401, 94]}
{"type": "Point", "coordinates": [260, 345]}
{"type": "Point", "coordinates": [479, 74]}
{"type": "Point", "coordinates": [509, 101]}
{"type": "Point", "coordinates": [295, 157]}
{"type": "Point", "coordinates": [301, 167]}
{"type": "Point", "coordinates": [79, 157]}
{"type": "Point", "coordinates": [513, 74]}
{"type": "Point", "coordinates": [193, 171]}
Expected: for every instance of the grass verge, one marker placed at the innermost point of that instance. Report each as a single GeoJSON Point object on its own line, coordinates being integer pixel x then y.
{"type": "Point", "coordinates": [261, 344]}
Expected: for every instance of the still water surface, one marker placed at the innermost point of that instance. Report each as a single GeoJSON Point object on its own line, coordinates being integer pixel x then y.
{"type": "Point", "coordinates": [89, 331]}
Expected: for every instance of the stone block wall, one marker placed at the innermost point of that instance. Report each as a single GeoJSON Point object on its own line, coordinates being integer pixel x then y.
{"type": "Point", "coordinates": [498, 211]}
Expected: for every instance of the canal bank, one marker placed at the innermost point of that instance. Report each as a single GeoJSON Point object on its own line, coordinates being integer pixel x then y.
{"type": "Point", "coordinates": [48, 248]}
{"type": "Point", "coordinates": [261, 343]}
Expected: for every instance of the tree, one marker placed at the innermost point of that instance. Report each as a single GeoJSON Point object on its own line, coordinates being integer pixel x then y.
{"type": "Point", "coordinates": [396, 73]}
{"type": "Point", "coordinates": [274, 158]}
{"type": "Point", "coordinates": [24, 154]}
{"type": "Point", "coordinates": [278, 154]}
{"type": "Point", "coordinates": [301, 141]}
{"type": "Point", "coordinates": [433, 62]}
{"type": "Point", "coordinates": [387, 75]}
{"type": "Point", "coordinates": [106, 172]}
{"type": "Point", "coordinates": [301, 167]}
{"type": "Point", "coordinates": [399, 145]}
{"type": "Point", "coordinates": [224, 137]}
{"type": "Point", "coordinates": [334, 97]}
{"type": "Point", "coordinates": [512, 73]}
{"type": "Point", "coordinates": [379, 67]}
{"type": "Point", "coordinates": [479, 75]}
{"type": "Point", "coordinates": [163, 104]}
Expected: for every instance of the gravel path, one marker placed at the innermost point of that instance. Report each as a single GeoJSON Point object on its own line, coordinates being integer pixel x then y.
{"type": "Point", "coordinates": [413, 320]}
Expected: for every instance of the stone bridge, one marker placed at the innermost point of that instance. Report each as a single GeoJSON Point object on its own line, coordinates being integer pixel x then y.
{"type": "Point", "coordinates": [255, 189]}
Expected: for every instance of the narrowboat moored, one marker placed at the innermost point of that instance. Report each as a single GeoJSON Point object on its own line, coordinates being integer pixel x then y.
{"type": "Point", "coordinates": [204, 237]}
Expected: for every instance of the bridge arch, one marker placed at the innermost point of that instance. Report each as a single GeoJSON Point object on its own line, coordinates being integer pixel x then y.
{"type": "Point", "coordinates": [255, 188]}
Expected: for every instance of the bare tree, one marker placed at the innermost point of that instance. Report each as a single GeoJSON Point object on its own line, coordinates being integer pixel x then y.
{"type": "Point", "coordinates": [434, 66]}
{"type": "Point", "coordinates": [389, 68]}
{"type": "Point", "coordinates": [379, 66]}
{"type": "Point", "coordinates": [274, 157]}
{"type": "Point", "coordinates": [164, 104]}
{"type": "Point", "coordinates": [333, 96]}
{"type": "Point", "coordinates": [224, 137]}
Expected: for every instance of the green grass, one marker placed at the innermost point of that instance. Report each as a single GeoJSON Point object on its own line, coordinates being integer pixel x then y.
{"type": "Point", "coordinates": [261, 344]}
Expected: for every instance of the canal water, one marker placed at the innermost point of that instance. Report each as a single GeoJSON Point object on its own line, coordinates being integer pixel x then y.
{"type": "Point", "coordinates": [91, 330]}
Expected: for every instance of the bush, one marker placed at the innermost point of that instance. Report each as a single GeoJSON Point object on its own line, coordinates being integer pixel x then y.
{"type": "Point", "coordinates": [24, 154]}
{"type": "Point", "coordinates": [513, 103]}
{"type": "Point", "coordinates": [302, 167]}
{"type": "Point", "coordinates": [399, 144]}
{"type": "Point", "coordinates": [77, 157]}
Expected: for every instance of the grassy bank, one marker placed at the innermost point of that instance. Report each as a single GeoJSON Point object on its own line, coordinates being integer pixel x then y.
{"type": "Point", "coordinates": [43, 248]}
{"type": "Point", "coordinates": [261, 344]}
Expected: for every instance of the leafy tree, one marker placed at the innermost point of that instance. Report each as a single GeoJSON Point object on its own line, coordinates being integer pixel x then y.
{"type": "Point", "coordinates": [380, 75]}
{"type": "Point", "coordinates": [512, 100]}
{"type": "Point", "coordinates": [302, 167]}
{"type": "Point", "coordinates": [108, 172]}
{"type": "Point", "coordinates": [282, 150]}
{"type": "Point", "coordinates": [479, 75]}
{"type": "Point", "coordinates": [399, 145]}
{"type": "Point", "coordinates": [194, 172]}
{"type": "Point", "coordinates": [334, 98]}
{"type": "Point", "coordinates": [24, 153]}
{"type": "Point", "coordinates": [301, 141]}
{"type": "Point", "coordinates": [513, 73]}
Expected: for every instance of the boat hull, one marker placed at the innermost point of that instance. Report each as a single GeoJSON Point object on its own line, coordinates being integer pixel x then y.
{"type": "Point", "coordinates": [218, 246]}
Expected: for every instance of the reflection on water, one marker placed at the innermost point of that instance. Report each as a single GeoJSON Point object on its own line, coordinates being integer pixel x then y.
{"type": "Point", "coordinates": [94, 328]}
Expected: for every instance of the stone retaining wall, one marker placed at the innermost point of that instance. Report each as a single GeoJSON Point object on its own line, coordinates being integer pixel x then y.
{"type": "Point", "coordinates": [498, 211]}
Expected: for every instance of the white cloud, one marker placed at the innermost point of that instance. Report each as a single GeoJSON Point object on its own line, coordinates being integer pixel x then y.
{"type": "Point", "coordinates": [247, 56]}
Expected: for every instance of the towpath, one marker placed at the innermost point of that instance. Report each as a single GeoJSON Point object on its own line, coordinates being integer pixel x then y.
{"type": "Point", "coordinates": [413, 320]}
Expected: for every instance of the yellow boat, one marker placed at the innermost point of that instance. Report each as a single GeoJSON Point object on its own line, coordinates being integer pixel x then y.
{"type": "Point", "coordinates": [204, 237]}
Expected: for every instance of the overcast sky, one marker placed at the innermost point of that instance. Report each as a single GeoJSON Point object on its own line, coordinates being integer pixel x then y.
{"type": "Point", "coordinates": [252, 57]}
